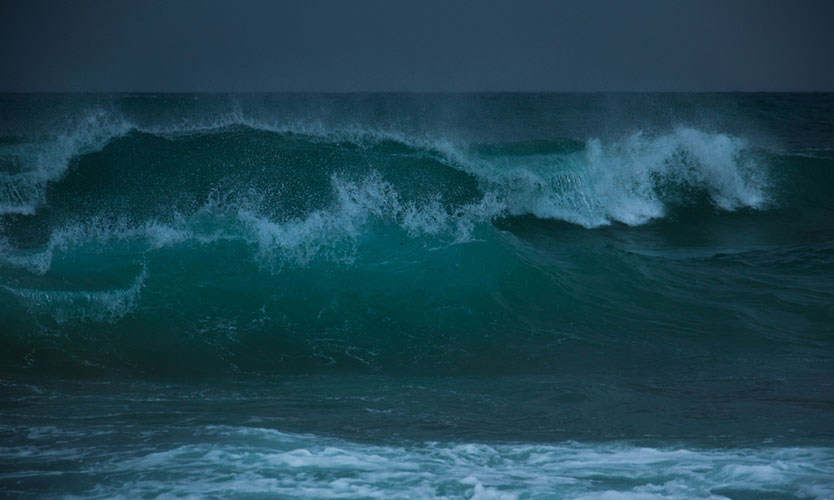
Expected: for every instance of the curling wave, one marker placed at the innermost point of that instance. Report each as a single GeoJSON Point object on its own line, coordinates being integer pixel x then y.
{"type": "Point", "coordinates": [375, 243]}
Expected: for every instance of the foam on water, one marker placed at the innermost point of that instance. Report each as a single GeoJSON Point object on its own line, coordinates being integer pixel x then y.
{"type": "Point", "coordinates": [623, 180]}
{"type": "Point", "coordinates": [332, 232]}
{"type": "Point", "coordinates": [384, 272]}
{"type": "Point", "coordinates": [631, 181]}
{"type": "Point", "coordinates": [240, 462]}
{"type": "Point", "coordinates": [27, 167]}
{"type": "Point", "coordinates": [82, 305]}
{"type": "Point", "coordinates": [95, 231]}
{"type": "Point", "coordinates": [358, 203]}
{"type": "Point", "coordinates": [626, 181]}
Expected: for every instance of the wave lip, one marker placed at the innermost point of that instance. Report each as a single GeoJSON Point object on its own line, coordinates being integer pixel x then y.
{"type": "Point", "coordinates": [631, 181]}
{"type": "Point", "coordinates": [27, 167]}
{"type": "Point", "coordinates": [332, 232]}
{"type": "Point", "coordinates": [357, 203]}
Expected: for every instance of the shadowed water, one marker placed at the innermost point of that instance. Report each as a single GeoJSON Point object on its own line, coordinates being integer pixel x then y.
{"type": "Point", "coordinates": [477, 296]}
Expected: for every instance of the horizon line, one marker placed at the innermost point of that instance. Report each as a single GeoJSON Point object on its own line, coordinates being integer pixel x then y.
{"type": "Point", "coordinates": [424, 92]}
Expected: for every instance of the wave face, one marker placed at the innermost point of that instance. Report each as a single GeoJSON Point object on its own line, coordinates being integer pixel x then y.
{"type": "Point", "coordinates": [459, 234]}
{"type": "Point", "coordinates": [417, 296]}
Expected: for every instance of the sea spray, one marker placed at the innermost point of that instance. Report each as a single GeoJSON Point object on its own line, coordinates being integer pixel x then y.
{"type": "Point", "coordinates": [416, 296]}
{"type": "Point", "coordinates": [388, 236]}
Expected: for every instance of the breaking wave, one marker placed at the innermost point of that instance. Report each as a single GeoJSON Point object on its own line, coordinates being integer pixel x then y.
{"type": "Point", "coordinates": [378, 244]}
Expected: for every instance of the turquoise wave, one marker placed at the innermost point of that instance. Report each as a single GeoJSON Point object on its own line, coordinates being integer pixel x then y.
{"type": "Point", "coordinates": [134, 240]}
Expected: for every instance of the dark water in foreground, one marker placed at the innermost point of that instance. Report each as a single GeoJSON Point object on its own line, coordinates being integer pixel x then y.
{"type": "Point", "coordinates": [417, 296]}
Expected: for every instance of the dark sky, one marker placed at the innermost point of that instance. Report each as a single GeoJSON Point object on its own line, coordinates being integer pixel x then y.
{"type": "Point", "coordinates": [419, 45]}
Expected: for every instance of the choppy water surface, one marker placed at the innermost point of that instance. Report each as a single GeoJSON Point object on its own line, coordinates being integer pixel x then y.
{"type": "Point", "coordinates": [430, 296]}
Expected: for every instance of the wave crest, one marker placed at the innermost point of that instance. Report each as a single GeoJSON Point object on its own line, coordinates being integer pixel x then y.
{"type": "Point", "coordinates": [631, 181]}
{"type": "Point", "coordinates": [27, 167]}
{"type": "Point", "coordinates": [332, 232]}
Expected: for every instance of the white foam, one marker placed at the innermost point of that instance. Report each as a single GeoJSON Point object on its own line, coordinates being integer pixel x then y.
{"type": "Point", "coordinates": [336, 230]}
{"type": "Point", "coordinates": [82, 305]}
{"type": "Point", "coordinates": [247, 461]}
{"type": "Point", "coordinates": [333, 233]}
{"type": "Point", "coordinates": [624, 180]}
{"type": "Point", "coordinates": [46, 158]}
{"type": "Point", "coordinates": [619, 181]}
{"type": "Point", "coordinates": [152, 235]}
{"type": "Point", "coordinates": [607, 181]}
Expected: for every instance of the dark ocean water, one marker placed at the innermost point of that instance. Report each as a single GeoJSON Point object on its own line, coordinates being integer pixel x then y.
{"type": "Point", "coordinates": [417, 296]}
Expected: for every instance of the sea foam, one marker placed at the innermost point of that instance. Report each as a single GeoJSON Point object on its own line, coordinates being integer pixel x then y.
{"type": "Point", "coordinates": [26, 168]}
{"type": "Point", "coordinates": [625, 181]}
{"type": "Point", "coordinates": [64, 306]}
{"type": "Point", "coordinates": [241, 462]}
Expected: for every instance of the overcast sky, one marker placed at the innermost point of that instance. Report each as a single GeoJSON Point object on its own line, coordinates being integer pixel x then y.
{"type": "Point", "coordinates": [419, 45]}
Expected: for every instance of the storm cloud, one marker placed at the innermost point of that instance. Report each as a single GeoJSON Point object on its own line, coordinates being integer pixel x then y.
{"type": "Point", "coordinates": [427, 45]}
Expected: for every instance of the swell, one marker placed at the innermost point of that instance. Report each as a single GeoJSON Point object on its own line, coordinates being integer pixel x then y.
{"type": "Point", "coordinates": [234, 245]}
{"type": "Point", "coordinates": [301, 182]}
{"type": "Point", "coordinates": [249, 296]}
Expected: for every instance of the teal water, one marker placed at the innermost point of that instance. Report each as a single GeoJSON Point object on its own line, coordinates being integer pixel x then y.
{"type": "Point", "coordinates": [417, 296]}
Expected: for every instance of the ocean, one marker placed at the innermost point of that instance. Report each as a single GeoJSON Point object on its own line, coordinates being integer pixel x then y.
{"type": "Point", "coordinates": [496, 295]}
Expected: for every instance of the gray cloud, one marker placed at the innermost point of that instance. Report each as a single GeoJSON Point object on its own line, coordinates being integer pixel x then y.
{"type": "Point", "coordinates": [426, 45]}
